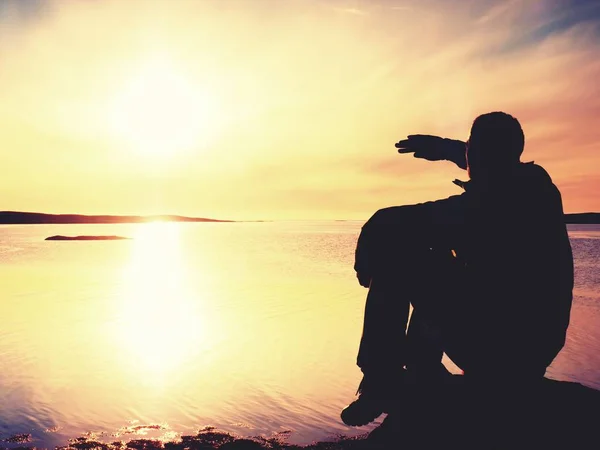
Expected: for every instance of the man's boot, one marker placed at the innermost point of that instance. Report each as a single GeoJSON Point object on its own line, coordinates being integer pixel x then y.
{"type": "Point", "coordinates": [376, 395]}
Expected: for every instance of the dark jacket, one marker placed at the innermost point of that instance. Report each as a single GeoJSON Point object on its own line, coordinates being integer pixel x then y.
{"type": "Point", "coordinates": [515, 276]}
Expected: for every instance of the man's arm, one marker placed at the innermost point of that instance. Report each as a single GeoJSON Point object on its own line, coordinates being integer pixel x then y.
{"type": "Point", "coordinates": [376, 238]}
{"type": "Point", "coordinates": [434, 148]}
{"type": "Point", "coordinates": [393, 233]}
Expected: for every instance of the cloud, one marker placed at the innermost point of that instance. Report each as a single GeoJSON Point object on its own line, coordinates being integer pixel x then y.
{"type": "Point", "coordinates": [351, 11]}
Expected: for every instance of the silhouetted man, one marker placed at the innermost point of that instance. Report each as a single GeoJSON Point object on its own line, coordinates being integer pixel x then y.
{"type": "Point", "coordinates": [489, 273]}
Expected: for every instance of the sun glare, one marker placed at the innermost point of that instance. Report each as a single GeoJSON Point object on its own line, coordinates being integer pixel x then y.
{"type": "Point", "coordinates": [162, 322]}
{"type": "Point", "coordinates": [159, 111]}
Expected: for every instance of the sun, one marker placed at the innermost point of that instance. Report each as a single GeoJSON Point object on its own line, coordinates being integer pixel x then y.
{"type": "Point", "coordinates": [160, 112]}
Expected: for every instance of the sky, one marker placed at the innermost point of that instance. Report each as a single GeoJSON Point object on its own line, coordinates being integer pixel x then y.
{"type": "Point", "coordinates": [273, 109]}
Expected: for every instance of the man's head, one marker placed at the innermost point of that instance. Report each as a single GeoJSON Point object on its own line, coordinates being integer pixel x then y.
{"type": "Point", "coordinates": [495, 145]}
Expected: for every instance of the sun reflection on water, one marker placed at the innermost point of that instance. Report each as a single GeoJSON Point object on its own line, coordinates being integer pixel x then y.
{"type": "Point", "coordinates": [162, 321]}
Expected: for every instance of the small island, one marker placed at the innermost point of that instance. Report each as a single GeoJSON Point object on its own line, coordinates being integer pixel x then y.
{"type": "Point", "coordinates": [85, 238]}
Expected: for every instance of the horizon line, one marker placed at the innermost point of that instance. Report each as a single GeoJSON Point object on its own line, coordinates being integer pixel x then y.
{"type": "Point", "coordinates": [28, 217]}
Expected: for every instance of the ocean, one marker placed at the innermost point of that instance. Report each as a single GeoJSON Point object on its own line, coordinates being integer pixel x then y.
{"type": "Point", "coordinates": [249, 327]}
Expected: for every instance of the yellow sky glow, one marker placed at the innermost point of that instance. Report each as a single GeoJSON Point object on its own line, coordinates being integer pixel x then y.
{"type": "Point", "coordinates": [280, 110]}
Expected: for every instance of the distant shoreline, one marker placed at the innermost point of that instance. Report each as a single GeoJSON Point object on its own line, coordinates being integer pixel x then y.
{"type": "Point", "coordinates": [582, 218]}
{"type": "Point", "coordinates": [26, 218]}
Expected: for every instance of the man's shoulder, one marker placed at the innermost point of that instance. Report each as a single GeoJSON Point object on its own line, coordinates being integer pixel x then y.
{"type": "Point", "coordinates": [534, 188]}
{"type": "Point", "coordinates": [531, 176]}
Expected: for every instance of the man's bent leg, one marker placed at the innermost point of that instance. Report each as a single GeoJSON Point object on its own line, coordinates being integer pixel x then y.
{"type": "Point", "coordinates": [382, 352]}
{"type": "Point", "coordinates": [383, 344]}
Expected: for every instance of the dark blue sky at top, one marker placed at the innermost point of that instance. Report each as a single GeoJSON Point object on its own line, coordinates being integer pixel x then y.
{"type": "Point", "coordinates": [571, 13]}
{"type": "Point", "coordinates": [561, 16]}
{"type": "Point", "coordinates": [566, 12]}
{"type": "Point", "coordinates": [23, 9]}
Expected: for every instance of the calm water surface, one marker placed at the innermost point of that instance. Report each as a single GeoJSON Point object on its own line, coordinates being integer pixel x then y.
{"type": "Point", "coordinates": [252, 328]}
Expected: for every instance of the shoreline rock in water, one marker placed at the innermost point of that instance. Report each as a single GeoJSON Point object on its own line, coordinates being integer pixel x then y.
{"type": "Point", "coordinates": [85, 238]}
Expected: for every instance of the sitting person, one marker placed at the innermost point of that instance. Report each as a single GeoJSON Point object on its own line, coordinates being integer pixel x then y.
{"type": "Point", "coordinates": [489, 273]}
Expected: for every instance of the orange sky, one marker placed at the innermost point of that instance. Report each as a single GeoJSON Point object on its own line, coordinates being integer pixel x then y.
{"type": "Point", "coordinates": [283, 109]}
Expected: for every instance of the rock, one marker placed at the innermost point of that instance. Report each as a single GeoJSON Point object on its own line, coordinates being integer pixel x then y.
{"type": "Point", "coordinates": [458, 415]}
{"type": "Point", "coordinates": [85, 238]}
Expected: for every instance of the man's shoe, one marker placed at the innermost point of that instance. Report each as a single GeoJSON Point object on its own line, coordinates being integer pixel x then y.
{"type": "Point", "coordinates": [373, 400]}
{"type": "Point", "coordinates": [362, 411]}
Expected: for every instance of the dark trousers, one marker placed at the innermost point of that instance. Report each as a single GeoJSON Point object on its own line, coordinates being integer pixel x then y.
{"type": "Point", "coordinates": [388, 342]}
{"type": "Point", "coordinates": [426, 281]}
{"type": "Point", "coordinates": [443, 320]}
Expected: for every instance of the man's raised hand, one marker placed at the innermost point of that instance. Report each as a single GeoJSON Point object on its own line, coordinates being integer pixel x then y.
{"type": "Point", "coordinates": [434, 148]}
